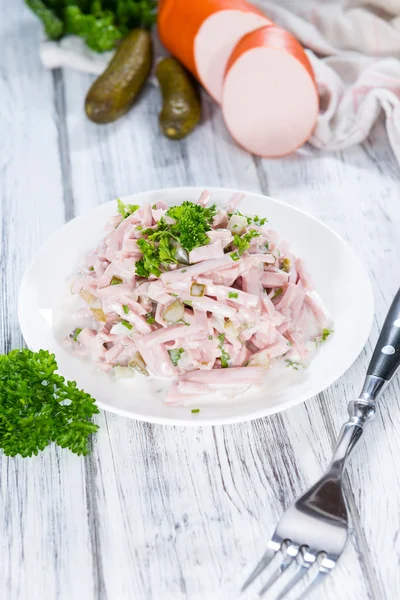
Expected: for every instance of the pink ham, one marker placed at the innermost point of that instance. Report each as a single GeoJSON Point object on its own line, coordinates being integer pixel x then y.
{"type": "Point", "coordinates": [269, 100]}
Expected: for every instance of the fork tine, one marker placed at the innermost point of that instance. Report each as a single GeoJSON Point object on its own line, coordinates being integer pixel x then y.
{"type": "Point", "coordinates": [300, 586]}
{"type": "Point", "coordinates": [274, 588]}
{"type": "Point", "coordinates": [270, 562]}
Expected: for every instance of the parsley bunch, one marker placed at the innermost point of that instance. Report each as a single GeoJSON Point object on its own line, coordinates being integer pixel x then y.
{"type": "Point", "coordinates": [37, 406]}
{"type": "Point", "coordinates": [101, 23]}
{"type": "Point", "coordinates": [191, 222]}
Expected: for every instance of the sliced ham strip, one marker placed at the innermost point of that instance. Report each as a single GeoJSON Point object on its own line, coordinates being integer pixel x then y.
{"type": "Point", "coordinates": [203, 34]}
{"type": "Point", "coordinates": [270, 279]}
{"type": "Point", "coordinates": [269, 100]}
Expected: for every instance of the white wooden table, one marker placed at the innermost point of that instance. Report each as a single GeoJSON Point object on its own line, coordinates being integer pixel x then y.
{"type": "Point", "coordinates": [161, 513]}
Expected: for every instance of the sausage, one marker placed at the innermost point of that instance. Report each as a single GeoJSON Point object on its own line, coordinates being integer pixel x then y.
{"type": "Point", "coordinates": [203, 34]}
{"type": "Point", "coordinates": [269, 101]}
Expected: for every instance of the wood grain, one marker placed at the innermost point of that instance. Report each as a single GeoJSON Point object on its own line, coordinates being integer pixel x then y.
{"type": "Point", "coordinates": [164, 513]}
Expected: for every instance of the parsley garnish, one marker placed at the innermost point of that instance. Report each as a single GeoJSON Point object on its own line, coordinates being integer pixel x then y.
{"type": "Point", "coordinates": [210, 337]}
{"type": "Point", "coordinates": [325, 334]}
{"type": "Point", "coordinates": [233, 295]}
{"type": "Point", "coordinates": [295, 365]}
{"type": "Point", "coordinates": [235, 256]}
{"type": "Point", "coordinates": [192, 223]}
{"type": "Point", "coordinates": [149, 318]}
{"type": "Point", "coordinates": [175, 355]}
{"type": "Point", "coordinates": [221, 338]}
{"type": "Point", "coordinates": [150, 262]}
{"type": "Point", "coordinates": [224, 359]}
{"type": "Point", "coordinates": [127, 324]}
{"type": "Point", "coordinates": [243, 242]}
{"type": "Point", "coordinates": [126, 209]}
{"type": "Point", "coordinates": [37, 406]}
{"type": "Point", "coordinates": [76, 333]}
{"type": "Point", "coordinates": [195, 410]}
{"type": "Point", "coordinates": [260, 222]}
{"type": "Point", "coordinates": [125, 308]}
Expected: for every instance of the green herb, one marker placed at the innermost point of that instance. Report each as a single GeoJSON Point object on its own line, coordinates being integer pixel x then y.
{"type": "Point", "coordinates": [235, 256]}
{"type": "Point", "coordinates": [37, 406]}
{"type": "Point", "coordinates": [125, 308]}
{"type": "Point", "coordinates": [175, 355]}
{"type": "Point", "coordinates": [295, 365]}
{"type": "Point", "coordinates": [195, 410]}
{"type": "Point", "coordinates": [192, 221]}
{"type": "Point", "coordinates": [278, 292]}
{"type": "Point", "coordinates": [210, 337]}
{"type": "Point", "coordinates": [126, 209]}
{"type": "Point", "coordinates": [91, 268]}
{"type": "Point", "coordinates": [150, 262]}
{"type": "Point", "coordinates": [260, 222]}
{"type": "Point", "coordinates": [101, 23]}
{"type": "Point", "coordinates": [158, 245]}
{"type": "Point", "coordinates": [76, 333]}
{"type": "Point", "coordinates": [243, 242]}
{"type": "Point", "coordinates": [221, 338]}
{"type": "Point", "coordinates": [127, 324]}
{"type": "Point", "coordinates": [154, 207]}
{"type": "Point", "coordinates": [166, 251]}
{"type": "Point", "coordinates": [149, 318]}
{"type": "Point", "coordinates": [325, 334]}
{"type": "Point", "coordinates": [188, 302]}
{"type": "Point", "coordinates": [53, 25]}
{"type": "Point", "coordinates": [267, 245]}
{"type": "Point", "coordinates": [224, 359]}
{"type": "Point", "coordinates": [233, 295]}
{"type": "Point", "coordinates": [139, 228]}
{"type": "Point", "coordinates": [162, 229]}
{"type": "Point", "coordinates": [115, 281]}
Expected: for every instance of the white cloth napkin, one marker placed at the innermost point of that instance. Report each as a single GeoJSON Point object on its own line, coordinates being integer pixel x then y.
{"type": "Point", "coordinates": [354, 50]}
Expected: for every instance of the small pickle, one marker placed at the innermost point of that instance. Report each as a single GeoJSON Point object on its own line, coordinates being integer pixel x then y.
{"type": "Point", "coordinates": [181, 108]}
{"type": "Point", "coordinates": [114, 92]}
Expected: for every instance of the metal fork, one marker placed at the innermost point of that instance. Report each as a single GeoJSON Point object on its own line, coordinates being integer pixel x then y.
{"type": "Point", "coordinates": [312, 534]}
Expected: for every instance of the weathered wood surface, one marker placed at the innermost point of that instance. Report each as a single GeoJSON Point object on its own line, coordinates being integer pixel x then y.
{"type": "Point", "coordinates": [162, 513]}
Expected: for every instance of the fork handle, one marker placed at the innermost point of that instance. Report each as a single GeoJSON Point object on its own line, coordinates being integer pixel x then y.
{"type": "Point", "coordinates": [383, 365]}
{"type": "Point", "coordinates": [386, 357]}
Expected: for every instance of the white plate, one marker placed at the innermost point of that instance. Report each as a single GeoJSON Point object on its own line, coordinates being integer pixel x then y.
{"type": "Point", "coordinates": [339, 277]}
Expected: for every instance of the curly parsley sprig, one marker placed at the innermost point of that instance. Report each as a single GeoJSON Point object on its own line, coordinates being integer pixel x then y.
{"type": "Point", "coordinates": [37, 406]}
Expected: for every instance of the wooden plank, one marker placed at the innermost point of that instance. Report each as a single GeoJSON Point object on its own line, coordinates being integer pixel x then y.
{"type": "Point", "coordinates": [44, 534]}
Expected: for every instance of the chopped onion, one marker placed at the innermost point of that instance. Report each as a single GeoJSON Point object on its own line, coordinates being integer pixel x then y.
{"type": "Point", "coordinates": [197, 289]}
{"type": "Point", "coordinates": [260, 359]}
{"type": "Point", "coordinates": [230, 329]}
{"type": "Point", "coordinates": [120, 329]}
{"type": "Point", "coordinates": [237, 224]}
{"type": "Point", "coordinates": [174, 312]}
{"type": "Point", "coordinates": [123, 372]}
{"type": "Point", "coordinates": [137, 363]}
